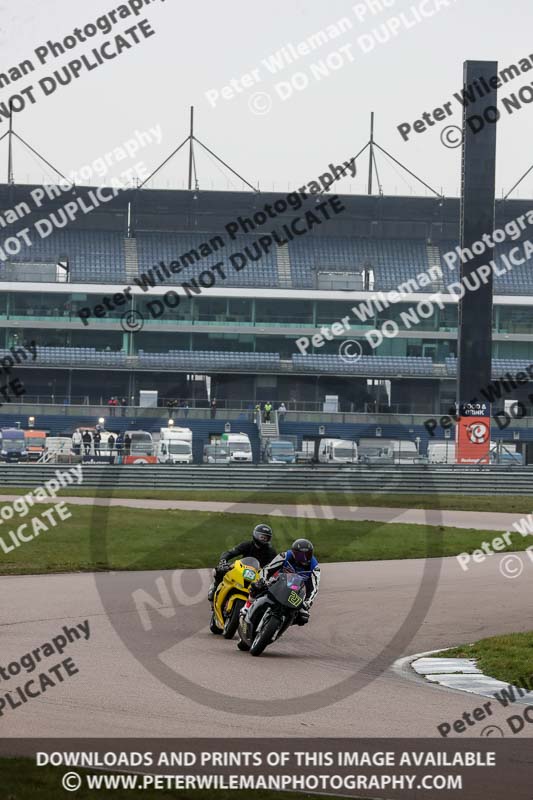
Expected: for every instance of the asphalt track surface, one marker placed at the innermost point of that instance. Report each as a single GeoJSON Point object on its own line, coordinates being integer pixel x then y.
{"type": "Point", "coordinates": [458, 519]}
{"type": "Point", "coordinates": [359, 610]}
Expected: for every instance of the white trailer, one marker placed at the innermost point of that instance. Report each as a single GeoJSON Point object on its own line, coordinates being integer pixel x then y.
{"type": "Point", "coordinates": [174, 446]}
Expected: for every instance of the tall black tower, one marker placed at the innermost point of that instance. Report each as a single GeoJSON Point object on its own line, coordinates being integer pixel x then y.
{"type": "Point", "coordinates": [477, 219]}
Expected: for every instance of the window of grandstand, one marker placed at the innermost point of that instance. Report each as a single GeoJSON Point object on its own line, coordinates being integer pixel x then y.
{"type": "Point", "coordinates": [186, 311]}
{"type": "Point", "coordinates": [513, 320]}
{"type": "Point", "coordinates": [298, 312]}
{"type": "Point", "coordinates": [328, 311]}
{"type": "Point", "coordinates": [38, 305]}
{"type": "Point", "coordinates": [448, 318]}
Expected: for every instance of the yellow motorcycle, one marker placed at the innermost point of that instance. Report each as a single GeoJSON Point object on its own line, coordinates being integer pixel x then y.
{"type": "Point", "coordinates": [231, 596]}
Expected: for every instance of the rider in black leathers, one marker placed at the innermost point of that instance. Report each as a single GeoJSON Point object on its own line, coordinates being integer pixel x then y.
{"type": "Point", "coordinates": [259, 547]}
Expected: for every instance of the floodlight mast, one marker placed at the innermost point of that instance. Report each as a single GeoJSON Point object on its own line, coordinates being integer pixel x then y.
{"type": "Point", "coordinates": [191, 138]}
{"type": "Point", "coordinates": [371, 153]}
{"type": "Point", "coordinates": [191, 148]}
{"type": "Point", "coordinates": [10, 133]}
{"type": "Point", "coordinates": [372, 164]}
{"type": "Point", "coordinates": [10, 178]}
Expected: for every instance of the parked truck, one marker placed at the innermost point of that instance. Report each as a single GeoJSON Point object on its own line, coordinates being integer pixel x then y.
{"type": "Point", "coordinates": [337, 451]}
{"type": "Point", "coordinates": [278, 451]}
{"type": "Point", "coordinates": [174, 446]}
{"type": "Point", "coordinates": [141, 449]}
{"type": "Point", "coordinates": [13, 447]}
{"type": "Point", "coordinates": [216, 453]}
{"type": "Point", "coordinates": [239, 446]}
{"type": "Point", "coordinates": [373, 451]}
{"type": "Point", "coordinates": [441, 452]}
{"type": "Point", "coordinates": [35, 444]}
{"type": "Point", "coordinates": [404, 451]}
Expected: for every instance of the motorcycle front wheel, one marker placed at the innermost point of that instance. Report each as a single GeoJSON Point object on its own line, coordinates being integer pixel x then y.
{"type": "Point", "coordinates": [213, 627]}
{"type": "Point", "coordinates": [232, 620]}
{"type": "Point", "coordinates": [264, 637]}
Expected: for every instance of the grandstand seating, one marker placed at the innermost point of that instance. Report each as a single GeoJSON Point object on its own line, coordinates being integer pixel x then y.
{"type": "Point", "coordinates": [500, 366]}
{"type": "Point", "coordinates": [220, 360]}
{"type": "Point", "coordinates": [209, 360]}
{"type": "Point", "coordinates": [68, 356]}
{"type": "Point", "coordinates": [98, 257]}
{"type": "Point", "coordinates": [94, 256]}
{"type": "Point", "coordinates": [393, 260]}
{"type": "Point", "coordinates": [368, 366]}
{"type": "Point", "coordinates": [519, 280]}
{"type": "Point", "coordinates": [155, 247]}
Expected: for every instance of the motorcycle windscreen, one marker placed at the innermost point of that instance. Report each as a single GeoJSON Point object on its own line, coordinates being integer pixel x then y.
{"type": "Point", "coordinates": [289, 590]}
{"type": "Point", "coordinates": [251, 567]}
{"type": "Point", "coordinates": [250, 562]}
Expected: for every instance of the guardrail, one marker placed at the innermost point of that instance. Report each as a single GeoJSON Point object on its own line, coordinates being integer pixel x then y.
{"type": "Point", "coordinates": [261, 478]}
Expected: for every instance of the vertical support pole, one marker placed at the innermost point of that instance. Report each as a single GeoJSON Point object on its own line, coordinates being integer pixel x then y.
{"type": "Point", "coordinates": [10, 177]}
{"type": "Point", "coordinates": [371, 154]}
{"type": "Point", "coordinates": [191, 144]}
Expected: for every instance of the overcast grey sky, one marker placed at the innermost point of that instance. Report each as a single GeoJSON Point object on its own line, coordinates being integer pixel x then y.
{"type": "Point", "coordinates": [200, 47]}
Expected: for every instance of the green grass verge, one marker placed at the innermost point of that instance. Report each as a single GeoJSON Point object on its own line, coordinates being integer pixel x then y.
{"type": "Point", "coordinates": [508, 658]}
{"type": "Point", "coordinates": [20, 779]}
{"type": "Point", "coordinates": [452, 502]}
{"type": "Point", "coordinates": [139, 539]}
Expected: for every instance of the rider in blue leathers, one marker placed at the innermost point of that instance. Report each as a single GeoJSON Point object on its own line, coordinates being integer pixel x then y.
{"type": "Point", "coordinates": [300, 559]}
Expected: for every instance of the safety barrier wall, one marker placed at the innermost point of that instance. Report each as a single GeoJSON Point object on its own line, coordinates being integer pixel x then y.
{"type": "Point", "coordinates": [264, 478]}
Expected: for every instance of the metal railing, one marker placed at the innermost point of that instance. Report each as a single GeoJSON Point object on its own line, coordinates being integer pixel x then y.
{"type": "Point", "coordinates": [56, 399]}
{"type": "Point", "coordinates": [262, 478]}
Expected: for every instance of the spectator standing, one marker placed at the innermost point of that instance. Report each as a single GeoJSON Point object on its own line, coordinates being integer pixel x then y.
{"type": "Point", "coordinates": [185, 409]}
{"type": "Point", "coordinates": [213, 408]}
{"type": "Point", "coordinates": [268, 410]}
{"type": "Point", "coordinates": [111, 405]}
{"type": "Point", "coordinates": [127, 444]}
{"type": "Point", "coordinates": [282, 410]}
{"type": "Point", "coordinates": [87, 442]}
{"type": "Point", "coordinates": [76, 442]}
{"type": "Point", "coordinates": [120, 444]}
{"type": "Point", "coordinates": [97, 438]}
{"type": "Point", "coordinates": [111, 443]}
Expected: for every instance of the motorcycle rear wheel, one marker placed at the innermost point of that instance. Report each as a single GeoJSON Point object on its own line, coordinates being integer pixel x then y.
{"type": "Point", "coordinates": [265, 636]}
{"type": "Point", "coordinates": [232, 620]}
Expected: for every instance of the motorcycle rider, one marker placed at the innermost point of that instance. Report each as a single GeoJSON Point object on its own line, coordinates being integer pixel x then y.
{"type": "Point", "coordinates": [300, 559]}
{"type": "Point", "coordinates": [258, 547]}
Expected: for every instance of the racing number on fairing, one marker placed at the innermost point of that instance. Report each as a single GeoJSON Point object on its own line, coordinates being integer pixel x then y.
{"type": "Point", "coordinates": [294, 599]}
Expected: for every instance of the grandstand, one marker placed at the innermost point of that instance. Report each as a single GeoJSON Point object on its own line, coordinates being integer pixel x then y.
{"type": "Point", "coordinates": [237, 340]}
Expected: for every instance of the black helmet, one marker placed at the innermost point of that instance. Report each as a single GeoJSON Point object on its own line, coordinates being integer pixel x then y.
{"type": "Point", "coordinates": [262, 535]}
{"type": "Point", "coordinates": [302, 552]}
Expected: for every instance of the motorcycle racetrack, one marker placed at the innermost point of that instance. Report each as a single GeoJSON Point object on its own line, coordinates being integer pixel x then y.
{"type": "Point", "coordinates": [367, 615]}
